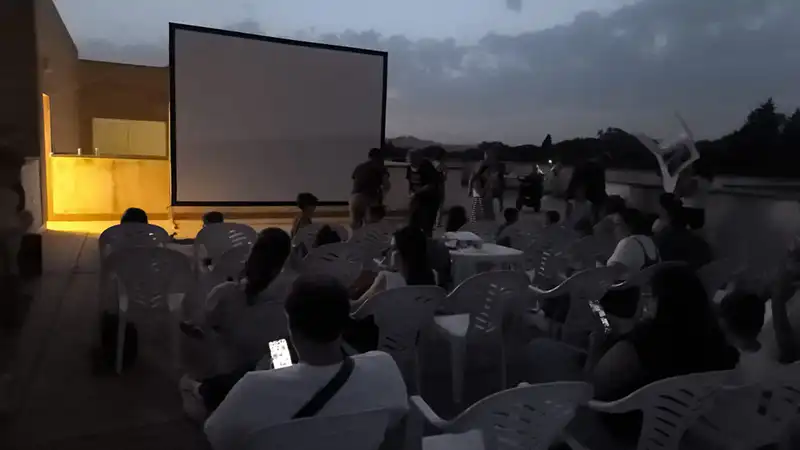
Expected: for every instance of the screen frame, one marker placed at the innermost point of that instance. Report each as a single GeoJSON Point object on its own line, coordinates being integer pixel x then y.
{"type": "Point", "coordinates": [174, 27]}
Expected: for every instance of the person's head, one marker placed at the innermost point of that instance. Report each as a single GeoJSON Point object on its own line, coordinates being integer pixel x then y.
{"type": "Point", "coordinates": [307, 202]}
{"type": "Point", "coordinates": [410, 246]}
{"type": "Point", "coordinates": [376, 213]}
{"type": "Point", "coordinates": [631, 222]}
{"type": "Point", "coordinates": [456, 218]}
{"type": "Point", "coordinates": [741, 316]}
{"type": "Point", "coordinates": [671, 210]}
{"type": "Point", "coordinates": [326, 235]}
{"type": "Point", "coordinates": [266, 260]}
{"type": "Point", "coordinates": [613, 205]}
{"type": "Point", "coordinates": [490, 156]}
{"type": "Point", "coordinates": [551, 217]}
{"type": "Point", "coordinates": [134, 215]}
{"type": "Point", "coordinates": [317, 310]}
{"type": "Point", "coordinates": [375, 155]}
{"type": "Point", "coordinates": [511, 215]}
{"type": "Point", "coordinates": [584, 227]}
{"type": "Point", "coordinates": [213, 217]}
{"type": "Point", "coordinates": [439, 154]}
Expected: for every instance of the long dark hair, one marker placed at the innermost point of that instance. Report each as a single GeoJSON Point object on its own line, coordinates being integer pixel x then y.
{"type": "Point", "coordinates": [266, 261]}
{"type": "Point", "coordinates": [412, 245]}
{"type": "Point", "coordinates": [684, 325]}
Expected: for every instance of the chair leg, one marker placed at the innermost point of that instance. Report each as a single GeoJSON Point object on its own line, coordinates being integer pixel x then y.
{"type": "Point", "coordinates": [121, 325]}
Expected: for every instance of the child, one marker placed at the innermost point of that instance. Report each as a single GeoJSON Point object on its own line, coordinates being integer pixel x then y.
{"type": "Point", "coordinates": [213, 217]}
{"type": "Point", "coordinates": [307, 203]}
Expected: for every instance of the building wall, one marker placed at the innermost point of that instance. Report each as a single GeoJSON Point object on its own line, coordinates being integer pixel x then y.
{"type": "Point", "coordinates": [120, 91]}
{"type": "Point", "coordinates": [19, 110]}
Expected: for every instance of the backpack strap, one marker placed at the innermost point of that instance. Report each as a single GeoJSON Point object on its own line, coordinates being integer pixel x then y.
{"type": "Point", "coordinates": [327, 392]}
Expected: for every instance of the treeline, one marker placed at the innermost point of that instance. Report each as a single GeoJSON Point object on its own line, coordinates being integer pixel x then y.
{"type": "Point", "coordinates": [766, 145]}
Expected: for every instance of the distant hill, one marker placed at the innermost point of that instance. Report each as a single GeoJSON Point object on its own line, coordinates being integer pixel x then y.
{"type": "Point", "coordinates": [411, 142]}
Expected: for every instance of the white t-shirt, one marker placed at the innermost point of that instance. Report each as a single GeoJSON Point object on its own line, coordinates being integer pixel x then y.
{"type": "Point", "coordinates": [271, 397]}
{"type": "Point", "coordinates": [630, 251]}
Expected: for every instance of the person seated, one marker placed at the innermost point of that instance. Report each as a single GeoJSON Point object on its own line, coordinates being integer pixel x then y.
{"type": "Point", "coordinates": [317, 310]}
{"type": "Point", "coordinates": [134, 215]}
{"type": "Point", "coordinates": [635, 248]}
{"type": "Point", "coordinates": [213, 217]}
{"type": "Point", "coordinates": [456, 218]}
{"type": "Point", "coordinates": [411, 260]}
{"type": "Point", "coordinates": [326, 235]}
{"type": "Point", "coordinates": [376, 214]}
{"type": "Point", "coordinates": [511, 216]}
{"type": "Point", "coordinates": [682, 337]}
{"type": "Point", "coordinates": [232, 309]}
{"type": "Point", "coordinates": [578, 207]}
{"type": "Point", "coordinates": [551, 218]}
{"type": "Point", "coordinates": [307, 203]}
{"type": "Point", "coordinates": [674, 239]}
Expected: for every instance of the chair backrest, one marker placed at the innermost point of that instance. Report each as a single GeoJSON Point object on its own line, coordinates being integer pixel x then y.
{"type": "Point", "coordinates": [400, 314]}
{"type": "Point", "coordinates": [546, 263]}
{"type": "Point", "coordinates": [229, 266]}
{"type": "Point", "coordinates": [522, 234]}
{"type": "Point", "coordinates": [673, 405]}
{"type": "Point", "coordinates": [485, 297]}
{"type": "Point", "coordinates": [717, 274]}
{"type": "Point", "coordinates": [485, 229]}
{"type": "Point", "coordinates": [215, 239]}
{"type": "Point", "coordinates": [148, 276]}
{"type": "Point", "coordinates": [308, 234]}
{"type": "Point", "coordinates": [525, 417]}
{"type": "Point", "coordinates": [358, 431]}
{"type": "Point", "coordinates": [585, 290]}
{"type": "Point", "coordinates": [585, 252]}
{"type": "Point", "coordinates": [641, 280]}
{"type": "Point", "coordinates": [127, 235]}
{"type": "Point", "coordinates": [373, 239]}
{"type": "Point", "coordinates": [341, 260]}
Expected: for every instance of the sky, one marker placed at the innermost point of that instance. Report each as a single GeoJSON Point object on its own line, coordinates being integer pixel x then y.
{"type": "Point", "coordinates": [465, 71]}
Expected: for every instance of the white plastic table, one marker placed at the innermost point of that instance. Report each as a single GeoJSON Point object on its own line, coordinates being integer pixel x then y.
{"type": "Point", "coordinates": [471, 261]}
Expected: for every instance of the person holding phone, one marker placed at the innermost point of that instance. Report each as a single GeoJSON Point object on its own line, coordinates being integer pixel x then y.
{"type": "Point", "coordinates": [317, 310]}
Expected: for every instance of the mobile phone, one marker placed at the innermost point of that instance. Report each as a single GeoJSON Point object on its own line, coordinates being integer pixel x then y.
{"type": "Point", "coordinates": [279, 351]}
{"type": "Point", "coordinates": [601, 314]}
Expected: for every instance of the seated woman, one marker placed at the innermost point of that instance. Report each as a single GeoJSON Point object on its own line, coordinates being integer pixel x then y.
{"type": "Point", "coordinates": [233, 309]}
{"type": "Point", "coordinates": [134, 215]}
{"type": "Point", "coordinates": [410, 260]}
{"type": "Point", "coordinates": [682, 338]}
{"type": "Point", "coordinates": [635, 251]}
{"type": "Point", "coordinates": [674, 239]}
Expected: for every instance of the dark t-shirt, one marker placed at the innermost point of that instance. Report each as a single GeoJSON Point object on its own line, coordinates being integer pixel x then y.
{"type": "Point", "coordinates": [368, 178]}
{"type": "Point", "coordinates": [675, 244]}
{"type": "Point", "coordinates": [425, 175]}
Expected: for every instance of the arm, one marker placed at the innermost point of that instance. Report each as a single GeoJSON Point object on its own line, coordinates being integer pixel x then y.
{"type": "Point", "coordinates": [617, 373]}
{"type": "Point", "coordinates": [378, 286]}
{"type": "Point", "coordinates": [385, 184]}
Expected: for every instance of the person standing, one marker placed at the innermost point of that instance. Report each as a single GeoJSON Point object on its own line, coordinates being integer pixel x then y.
{"type": "Point", "coordinates": [481, 186]}
{"type": "Point", "coordinates": [423, 187]}
{"type": "Point", "coordinates": [441, 167]}
{"type": "Point", "coordinates": [370, 184]}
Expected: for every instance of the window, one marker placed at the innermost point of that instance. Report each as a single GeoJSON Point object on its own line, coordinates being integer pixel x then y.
{"type": "Point", "coordinates": [117, 137]}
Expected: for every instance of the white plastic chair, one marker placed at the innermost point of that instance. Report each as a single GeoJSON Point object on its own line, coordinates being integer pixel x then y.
{"type": "Point", "coordinates": [227, 267]}
{"type": "Point", "coordinates": [484, 229]}
{"type": "Point", "coordinates": [584, 253]}
{"type": "Point", "coordinates": [359, 431]}
{"type": "Point", "coordinates": [522, 234]}
{"type": "Point", "coordinates": [400, 315]}
{"type": "Point", "coordinates": [526, 417]}
{"type": "Point", "coordinates": [669, 407]}
{"type": "Point", "coordinates": [757, 415]}
{"type": "Point", "coordinates": [585, 289]}
{"type": "Point", "coordinates": [341, 260]}
{"type": "Point", "coordinates": [308, 234]}
{"type": "Point", "coordinates": [717, 274]}
{"type": "Point", "coordinates": [151, 283]}
{"type": "Point", "coordinates": [372, 240]}
{"type": "Point", "coordinates": [215, 239]}
{"type": "Point", "coordinates": [477, 307]}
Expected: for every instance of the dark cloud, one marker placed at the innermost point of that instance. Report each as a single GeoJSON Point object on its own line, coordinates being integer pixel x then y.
{"type": "Point", "coordinates": [514, 5]}
{"type": "Point", "coordinates": [710, 60]}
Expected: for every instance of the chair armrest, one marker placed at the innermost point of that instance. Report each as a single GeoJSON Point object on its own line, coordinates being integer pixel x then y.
{"type": "Point", "coordinates": [422, 409]}
{"type": "Point", "coordinates": [615, 407]}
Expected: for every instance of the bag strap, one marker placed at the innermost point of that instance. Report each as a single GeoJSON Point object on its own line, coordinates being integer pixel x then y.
{"type": "Point", "coordinates": [326, 393]}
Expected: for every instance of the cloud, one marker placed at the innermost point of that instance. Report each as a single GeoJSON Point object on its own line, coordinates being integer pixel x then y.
{"type": "Point", "coordinates": [514, 5]}
{"type": "Point", "coordinates": [710, 60]}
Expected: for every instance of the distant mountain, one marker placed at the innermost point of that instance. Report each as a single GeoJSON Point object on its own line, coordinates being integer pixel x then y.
{"type": "Point", "coordinates": [414, 142]}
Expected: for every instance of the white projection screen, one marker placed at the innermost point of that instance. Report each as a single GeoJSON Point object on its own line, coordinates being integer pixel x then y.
{"type": "Point", "coordinates": [256, 120]}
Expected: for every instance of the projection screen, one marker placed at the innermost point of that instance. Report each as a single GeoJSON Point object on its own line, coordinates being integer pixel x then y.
{"type": "Point", "coordinates": [256, 120]}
